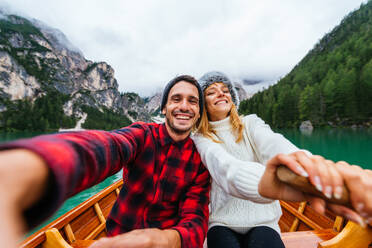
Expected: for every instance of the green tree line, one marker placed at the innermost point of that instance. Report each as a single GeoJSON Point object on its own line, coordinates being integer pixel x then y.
{"type": "Point", "coordinates": [106, 120]}
{"type": "Point", "coordinates": [44, 114]}
{"type": "Point", "coordinates": [332, 84]}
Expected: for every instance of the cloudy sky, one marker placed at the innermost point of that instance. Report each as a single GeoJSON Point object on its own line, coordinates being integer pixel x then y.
{"type": "Point", "coordinates": [149, 42]}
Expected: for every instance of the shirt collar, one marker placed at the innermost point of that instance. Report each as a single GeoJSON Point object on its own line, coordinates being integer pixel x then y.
{"type": "Point", "coordinates": [166, 139]}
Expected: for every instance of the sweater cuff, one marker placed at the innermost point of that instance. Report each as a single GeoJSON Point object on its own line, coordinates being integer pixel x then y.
{"type": "Point", "coordinates": [247, 180]}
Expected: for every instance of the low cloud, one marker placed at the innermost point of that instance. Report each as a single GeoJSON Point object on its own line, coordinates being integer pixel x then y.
{"type": "Point", "coordinates": [149, 42]}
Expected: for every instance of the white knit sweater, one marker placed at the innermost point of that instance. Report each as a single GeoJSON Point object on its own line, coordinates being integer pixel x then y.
{"type": "Point", "coordinates": [236, 169]}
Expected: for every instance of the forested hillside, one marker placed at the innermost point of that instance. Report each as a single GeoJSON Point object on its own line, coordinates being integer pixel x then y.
{"type": "Point", "coordinates": [331, 85]}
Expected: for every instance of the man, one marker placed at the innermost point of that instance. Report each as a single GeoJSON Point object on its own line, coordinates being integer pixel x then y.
{"type": "Point", "coordinates": [164, 200]}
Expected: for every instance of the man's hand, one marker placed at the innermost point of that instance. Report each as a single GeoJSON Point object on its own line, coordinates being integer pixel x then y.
{"type": "Point", "coordinates": [359, 183]}
{"type": "Point", "coordinates": [23, 176]}
{"type": "Point", "coordinates": [142, 238]}
{"type": "Point", "coordinates": [322, 173]}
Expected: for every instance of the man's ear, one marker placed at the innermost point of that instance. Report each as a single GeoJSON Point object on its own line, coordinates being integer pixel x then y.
{"type": "Point", "coordinates": [163, 111]}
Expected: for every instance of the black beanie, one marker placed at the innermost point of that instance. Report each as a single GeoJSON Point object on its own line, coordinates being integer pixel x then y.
{"type": "Point", "coordinates": [175, 80]}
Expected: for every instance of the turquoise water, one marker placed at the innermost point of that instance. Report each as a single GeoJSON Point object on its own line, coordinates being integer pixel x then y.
{"type": "Point", "coordinates": [79, 198]}
{"type": "Point", "coordinates": [353, 146]}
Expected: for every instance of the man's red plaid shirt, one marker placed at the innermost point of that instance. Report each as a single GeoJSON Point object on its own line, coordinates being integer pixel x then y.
{"type": "Point", "coordinates": [165, 183]}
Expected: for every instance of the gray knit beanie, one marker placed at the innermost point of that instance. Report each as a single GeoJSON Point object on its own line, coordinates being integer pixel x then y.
{"type": "Point", "coordinates": [212, 77]}
{"type": "Point", "coordinates": [173, 82]}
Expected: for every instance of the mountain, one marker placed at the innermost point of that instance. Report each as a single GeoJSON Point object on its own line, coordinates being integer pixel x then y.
{"type": "Point", "coordinates": [331, 85]}
{"type": "Point", "coordinates": [46, 83]}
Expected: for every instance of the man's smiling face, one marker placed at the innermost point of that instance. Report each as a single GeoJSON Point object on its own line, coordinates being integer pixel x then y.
{"type": "Point", "coordinates": [182, 109]}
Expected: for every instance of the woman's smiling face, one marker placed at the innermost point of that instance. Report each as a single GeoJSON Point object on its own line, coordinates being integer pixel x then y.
{"type": "Point", "coordinates": [218, 101]}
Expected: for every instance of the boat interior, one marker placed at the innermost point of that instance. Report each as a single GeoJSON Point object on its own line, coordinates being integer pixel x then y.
{"type": "Point", "coordinates": [301, 226]}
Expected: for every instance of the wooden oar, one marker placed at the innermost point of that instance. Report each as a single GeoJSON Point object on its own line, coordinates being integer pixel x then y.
{"type": "Point", "coordinates": [302, 183]}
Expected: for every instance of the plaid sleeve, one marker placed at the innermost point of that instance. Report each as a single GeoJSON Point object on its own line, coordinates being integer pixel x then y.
{"type": "Point", "coordinates": [78, 160]}
{"type": "Point", "coordinates": [194, 212]}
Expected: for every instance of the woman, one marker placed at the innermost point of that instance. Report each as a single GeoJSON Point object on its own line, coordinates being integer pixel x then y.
{"type": "Point", "coordinates": [234, 150]}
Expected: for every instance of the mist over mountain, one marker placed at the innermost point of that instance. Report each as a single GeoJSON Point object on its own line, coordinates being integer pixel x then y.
{"type": "Point", "coordinates": [331, 85]}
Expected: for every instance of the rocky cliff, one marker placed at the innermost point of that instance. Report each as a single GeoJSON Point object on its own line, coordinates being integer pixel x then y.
{"type": "Point", "coordinates": [36, 59]}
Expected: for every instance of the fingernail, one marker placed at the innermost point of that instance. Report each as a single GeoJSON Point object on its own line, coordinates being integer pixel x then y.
{"type": "Point", "coordinates": [328, 192]}
{"type": "Point", "coordinates": [359, 207]}
{"type": "Point", "coordinates": [318, 186]}
{"type": "Point", "coordinates": [362, 223]}
{"type": "Point", "coordinates": [302, 171]}
{"type": "Point", "coordinates": [338, 192]}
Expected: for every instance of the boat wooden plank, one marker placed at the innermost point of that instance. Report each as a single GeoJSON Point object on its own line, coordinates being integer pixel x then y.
{"type": "Point", "coordinates": [39, 237]}
{"type": "Point", "coordinates": [106, 203]}
{"type": "Point", "coordinates": [96, 231]}
{"type": "Point", "coordinates": [286, 220]}
{"type": "Point", "coordinates": [99, 213]}
{"type": "Point", "coordinates": [325, 221]}
{"type": "Point", "coordinates": [85, 223]}
{"type": "Point", "coordinates": [339, 222]}
{"type": "Point", "coordinates": [306, 220]}
{"type": "Point", "coordinates": [296, 221]}
{"type": "Point", "coordinates": [320, 219]}
{"type": "Point", "coordinates": [69, 233]}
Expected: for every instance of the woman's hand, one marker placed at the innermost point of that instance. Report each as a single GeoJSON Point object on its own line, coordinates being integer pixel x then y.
{"type": "Point", "coordinates": [322, 173]}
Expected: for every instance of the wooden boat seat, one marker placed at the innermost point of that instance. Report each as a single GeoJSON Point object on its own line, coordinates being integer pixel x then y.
{"type": "Point", "coordinates": [54, 239]}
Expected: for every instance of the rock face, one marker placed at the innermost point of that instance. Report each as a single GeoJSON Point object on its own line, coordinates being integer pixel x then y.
{"type": "Point", "coordinates": [15, 83]}
{"type": "Point", "coordinates": [154, 102]}
{"type": "Point", "coordinates": [35, 58]}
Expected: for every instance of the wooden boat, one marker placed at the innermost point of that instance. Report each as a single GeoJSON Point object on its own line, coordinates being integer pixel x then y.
{"type": "Point", "coordinates": [301, 226]}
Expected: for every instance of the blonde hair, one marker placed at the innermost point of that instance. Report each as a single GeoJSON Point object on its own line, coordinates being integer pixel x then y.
{"type": "Point", "coordinates": [207, 130]}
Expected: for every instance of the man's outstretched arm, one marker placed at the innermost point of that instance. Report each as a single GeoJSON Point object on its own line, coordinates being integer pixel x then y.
{"type": "Point", "coordinates": [52, 168]}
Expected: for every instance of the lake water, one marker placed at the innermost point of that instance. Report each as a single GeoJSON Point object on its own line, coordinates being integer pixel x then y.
{"type": "Point", "coordinates": [353, 146]}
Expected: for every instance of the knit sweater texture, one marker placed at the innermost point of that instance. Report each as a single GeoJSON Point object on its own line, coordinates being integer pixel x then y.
{"type": "Point", "coordinates": [236, 169]}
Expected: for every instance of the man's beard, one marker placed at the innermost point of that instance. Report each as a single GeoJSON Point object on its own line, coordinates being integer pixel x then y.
{"type": "Point", "coordinates": [177, 130]}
